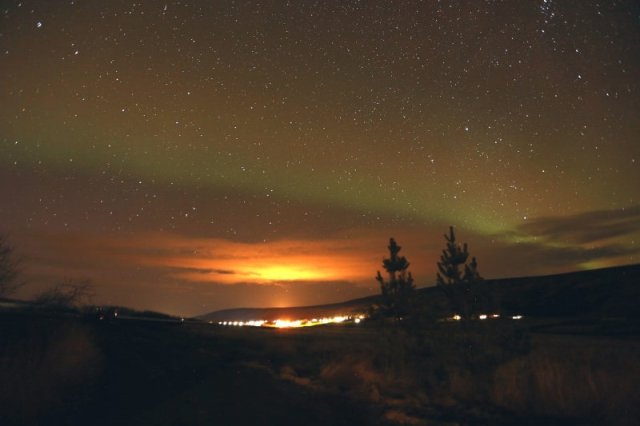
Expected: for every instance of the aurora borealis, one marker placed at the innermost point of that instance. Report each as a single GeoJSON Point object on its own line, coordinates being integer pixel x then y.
{"type": "Point", "coordinates": [198, 155]}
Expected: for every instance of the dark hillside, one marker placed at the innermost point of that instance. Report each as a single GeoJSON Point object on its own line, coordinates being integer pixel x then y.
{"type": "Point", "coordinates": [602, 293]}
{"type": "Point", "coordinates": [244, 314]}
{"type": "Point", "coordinates": [610, 292]}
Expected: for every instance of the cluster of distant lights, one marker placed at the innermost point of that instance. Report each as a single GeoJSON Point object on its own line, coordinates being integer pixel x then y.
{"type": "Point", "coordinates": [457, 317]}
{"type": "Point", "coordinates": [283, 323]}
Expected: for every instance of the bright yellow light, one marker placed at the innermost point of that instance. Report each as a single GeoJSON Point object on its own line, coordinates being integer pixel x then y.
{"type": "Point", "coordinates": [290, 273]}
{"type": "Point", "coordinates": [285, 323]}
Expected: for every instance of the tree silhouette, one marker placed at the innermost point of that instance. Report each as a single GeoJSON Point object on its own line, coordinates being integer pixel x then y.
{"type": "Point", "coordinates": [451, 260]}
{"type": "Point", "coordinates": [68, 293]}
{"type": "Point", "coordinates": [8, 268]}
{"type": "Point", "coordinates": [397, 290]}
{"type": "Point", "coordinates": [457, 278]}
{"type": "Point", "coordinates": [471, 274]}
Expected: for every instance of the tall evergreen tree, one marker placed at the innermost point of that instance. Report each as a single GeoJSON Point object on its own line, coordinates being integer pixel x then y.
{"type": "Point", "coordinates": [457, 278]}
{"type": "Point", "coordinates": [452, 260]}
{"type": "Point", "coordinates": [398, 289]}
{"type": "Point", "coordinates": [471, 274]}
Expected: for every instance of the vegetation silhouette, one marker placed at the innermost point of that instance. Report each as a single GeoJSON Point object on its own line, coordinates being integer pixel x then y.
{"type": "Point", "coordinates": [66, 294]}
{"type": "Point", "coordinates": [459, 279]}
{"type": "Point", "coordinates": [397, 291]}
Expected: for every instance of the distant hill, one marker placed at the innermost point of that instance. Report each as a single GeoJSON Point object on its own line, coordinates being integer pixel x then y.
{"type": "Point", "coordinates": [48, 309]}
{"type": "Point", "coordinates": [610, 292]}
{"type": "Point", "coordinates": [349, 307]}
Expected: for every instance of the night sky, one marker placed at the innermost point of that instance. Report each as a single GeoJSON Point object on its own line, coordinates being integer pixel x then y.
{"type": "Point", "coordinates": [188, 156]}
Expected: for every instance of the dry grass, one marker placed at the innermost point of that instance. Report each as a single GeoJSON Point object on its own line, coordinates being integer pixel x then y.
{"type": "Point", "coordinates": [356, 375]}
{"type": "Point", "coordinates": [589, 381]}
{"type": "Point", "coordinates": [488, 372]}
{"type": "Point", "coordinates": [446, 373]}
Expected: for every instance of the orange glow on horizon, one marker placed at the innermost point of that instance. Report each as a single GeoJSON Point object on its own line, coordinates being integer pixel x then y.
{"type": "Point", "coordinates": [228, 262]}
{"type": "Point", "coordinates": [291, 273]}
{"type": "Point", "coordinates": [354, 257]}
{"type": "Point", "coordinates": [254, 268]}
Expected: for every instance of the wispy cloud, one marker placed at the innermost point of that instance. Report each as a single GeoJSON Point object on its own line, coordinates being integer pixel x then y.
{"type": "Point", "coordinates": [207, 271]}
{"type": "Point", "coordinates": [212, 260]}
{"type": "Point", "coordinates": [589, 227]}
{"type": "Point", "coordinates": [564, 243]}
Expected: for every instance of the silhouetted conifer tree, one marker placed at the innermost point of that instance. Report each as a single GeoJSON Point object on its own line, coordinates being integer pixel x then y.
{"type": "Point", "coordinates": [451, 261]}
{"type": "Point", "coordinates": [458, 279]}
{"type": "Point", "coordinates": [398, 289]}
{"type": "Point", "coordinates": [471, 274]}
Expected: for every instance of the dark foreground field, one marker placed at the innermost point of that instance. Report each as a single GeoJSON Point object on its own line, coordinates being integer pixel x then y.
{"type": "Point", "coordinates": [71, 370]}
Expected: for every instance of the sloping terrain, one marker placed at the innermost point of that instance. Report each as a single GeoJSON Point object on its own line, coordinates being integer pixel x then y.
{"type": "Point", "coordinates": [320, 311]}
{"type": "Point", "coordinates": [610, 292]}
